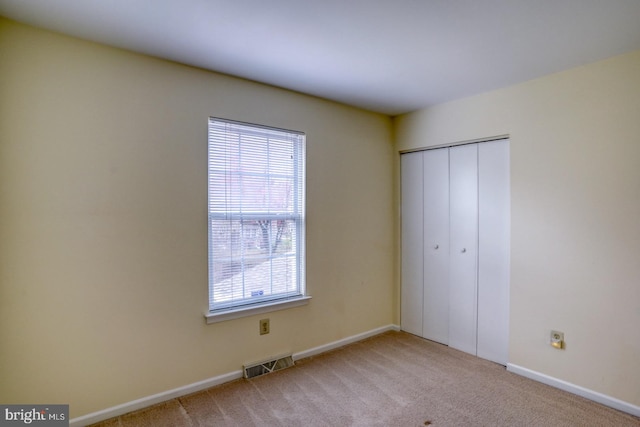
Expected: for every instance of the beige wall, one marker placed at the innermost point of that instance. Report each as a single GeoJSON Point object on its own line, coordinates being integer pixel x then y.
{"type": "Point", "coordinates": [575, 197]}
{"type": "Point", "coordinates": [103, 237]}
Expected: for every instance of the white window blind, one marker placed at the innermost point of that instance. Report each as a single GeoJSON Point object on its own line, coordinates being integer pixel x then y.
{"type": "Point", "coordinates": [256, 214]}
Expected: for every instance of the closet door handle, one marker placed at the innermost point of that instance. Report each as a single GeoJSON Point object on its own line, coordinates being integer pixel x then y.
{"type": "Point", "coordinates": [436, 247]}
{"type": "Point", "coordinates": [463, 250]}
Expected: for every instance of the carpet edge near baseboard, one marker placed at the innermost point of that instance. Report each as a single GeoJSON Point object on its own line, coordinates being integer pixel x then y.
{"type": "Point", "coordinates": [147, 401]}
{"type": "Point", "coordinates": [603, 399]}
{"type": "Point", "coordinates": [345, 341]}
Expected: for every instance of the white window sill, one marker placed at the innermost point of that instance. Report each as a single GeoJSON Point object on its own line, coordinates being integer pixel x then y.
{"type": "Point", "coordinates": [236, 313]}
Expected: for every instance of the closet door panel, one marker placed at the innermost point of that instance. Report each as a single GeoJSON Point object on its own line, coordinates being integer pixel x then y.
{"type": "Point", "coordinates": [436, 245]}
{"type": "Point", "coordinates": [412, 243]}
{"type": "Point", "coordinates": [463, 176]}
{"type": "Point", "coordinates": [494, 252]}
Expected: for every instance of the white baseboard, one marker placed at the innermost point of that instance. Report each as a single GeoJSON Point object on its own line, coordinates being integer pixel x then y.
{"type": "Point", "coordinates": [340, 343]}
{"type": "Point", "coordinates": [575, 389]}
{"type": "Point", "coordinates": [152, 400]}
{"type": "Point", "coordinates": [211, 382]}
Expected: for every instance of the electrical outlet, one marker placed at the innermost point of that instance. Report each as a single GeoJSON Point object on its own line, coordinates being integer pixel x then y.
{"type": "Point", "coordinates": [557, 340]}
{"type": "Point", "coordinates": [264, 326]}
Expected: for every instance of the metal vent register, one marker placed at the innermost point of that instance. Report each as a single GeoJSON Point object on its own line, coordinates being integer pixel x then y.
{"type": "Point", "coordinates": [262, 368]}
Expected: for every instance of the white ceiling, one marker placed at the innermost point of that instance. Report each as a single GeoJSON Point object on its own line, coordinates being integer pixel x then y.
{"type": "Point", "coordinates": [381, 55]}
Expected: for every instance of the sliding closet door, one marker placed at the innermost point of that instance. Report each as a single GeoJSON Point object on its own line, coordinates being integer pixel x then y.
{"type": "Point", "coordinates": [436, 245]}
{"type": "Point", "coordinates": [412, 243]}
{"type": "Point", "coordinates": [493, 254]}
{"type": "Point", "coordinates": [463, 267]}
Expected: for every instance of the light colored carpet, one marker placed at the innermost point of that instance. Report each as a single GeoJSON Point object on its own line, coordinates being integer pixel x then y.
{"type": "Point", "coordinates": [393, 379]}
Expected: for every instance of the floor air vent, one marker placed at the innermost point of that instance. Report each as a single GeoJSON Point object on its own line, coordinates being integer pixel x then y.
{"type": "Point", "coordinates": [261, 368]}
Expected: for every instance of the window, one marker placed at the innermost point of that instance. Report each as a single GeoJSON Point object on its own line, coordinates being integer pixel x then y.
{"type": "Point", "coordinates": [256, 216]}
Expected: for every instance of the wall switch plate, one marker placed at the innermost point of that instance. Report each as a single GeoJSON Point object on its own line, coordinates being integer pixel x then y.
{"type": "Point", "coordinates": [557, 340]}
{"type": "Point", "coordinates": [264, 326]}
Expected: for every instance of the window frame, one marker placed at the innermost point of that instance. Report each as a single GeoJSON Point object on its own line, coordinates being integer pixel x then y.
{"type": "Point", "coordinates": [246, 306]}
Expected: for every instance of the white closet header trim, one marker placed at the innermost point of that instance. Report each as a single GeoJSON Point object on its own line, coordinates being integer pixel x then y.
{"type": "Point", "coordinates": [453, 144]}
